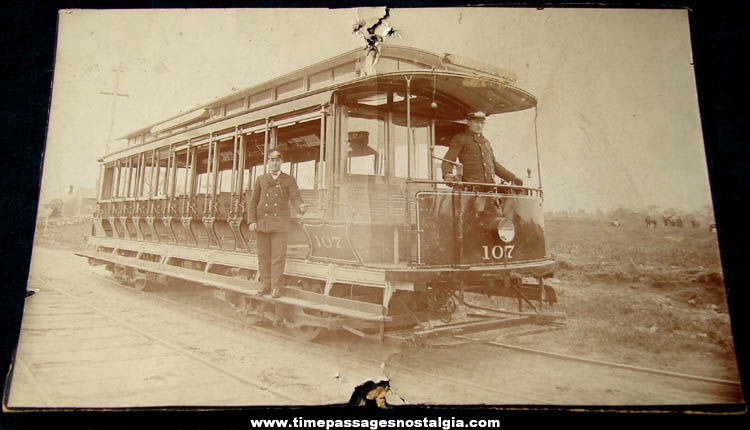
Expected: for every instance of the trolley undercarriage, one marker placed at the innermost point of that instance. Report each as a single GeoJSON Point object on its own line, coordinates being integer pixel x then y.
{"type": "Point", "coordinates": [366, 301]}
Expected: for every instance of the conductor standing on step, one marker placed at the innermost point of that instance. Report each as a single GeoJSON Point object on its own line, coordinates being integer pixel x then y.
{"type": "Point", "coordinates": [274, 196]}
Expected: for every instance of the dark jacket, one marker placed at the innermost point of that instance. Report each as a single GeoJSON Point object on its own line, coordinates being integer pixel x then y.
{"type": "Point", "coordinates": [475, 153]}
{"type": "Point", "coordinates": [271, 202]}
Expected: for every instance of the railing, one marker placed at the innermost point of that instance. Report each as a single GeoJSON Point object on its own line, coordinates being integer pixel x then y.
{"type": "Point", "coordinates": [482, 187]}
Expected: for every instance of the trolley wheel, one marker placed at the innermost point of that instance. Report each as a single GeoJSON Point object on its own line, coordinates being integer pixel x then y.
{"type": "Point", "coordinates": [122, 275]}
{"type": "Point", "coordinates": [252, 310]}
{"type": "Point", "coordinates": [306, 333]}
{"type": "Point", "coordinates": [140, 283]}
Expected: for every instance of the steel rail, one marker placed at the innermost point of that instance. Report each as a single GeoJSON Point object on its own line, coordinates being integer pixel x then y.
{"type": "Point", "coordinates": [38, 387]}
{"type": "Point", "coordinates": [167, 343]}
{"type": "Point", "coordinates": [319, 349]}
{"type": "Point", "coordinates": [604, 363]}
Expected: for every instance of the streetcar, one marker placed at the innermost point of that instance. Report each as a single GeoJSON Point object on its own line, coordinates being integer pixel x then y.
{"type": "Point", "coordinates": [386, 246]}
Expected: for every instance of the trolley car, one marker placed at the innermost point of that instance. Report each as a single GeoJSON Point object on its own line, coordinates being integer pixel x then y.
{"type": "Point", "coordinates": [385, 245]}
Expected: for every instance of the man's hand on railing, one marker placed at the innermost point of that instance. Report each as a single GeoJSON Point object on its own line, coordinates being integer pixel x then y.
{"type": "Point", "coordinates": [517, 181]}
{"type": "Point", "coordinates": [303, 208]}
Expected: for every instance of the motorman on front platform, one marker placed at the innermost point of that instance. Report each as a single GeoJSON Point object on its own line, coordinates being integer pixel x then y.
{"type": "Point", "coordinates": [269, 214]}
{"type": "Point", "coordinates": [475, 153]}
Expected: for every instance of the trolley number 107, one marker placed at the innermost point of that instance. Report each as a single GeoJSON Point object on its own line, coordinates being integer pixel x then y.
{"type": "Point", "coordinates": [327, 241]}
{"type": "Point", "coordinates": [497, 252]}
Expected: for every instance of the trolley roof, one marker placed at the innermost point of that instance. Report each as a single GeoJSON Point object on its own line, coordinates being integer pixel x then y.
{"type": "Point", "coordinates": [491, 90]}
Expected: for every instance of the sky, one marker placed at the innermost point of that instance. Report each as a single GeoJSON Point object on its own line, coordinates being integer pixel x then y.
{"type": "Point", "coordinates": [617, 119]}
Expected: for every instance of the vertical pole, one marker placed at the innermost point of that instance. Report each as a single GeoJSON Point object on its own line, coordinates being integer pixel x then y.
{"type": "Point", "coordinates": [460, 227]}
{"type": "Point", "coordinates": [157, 172]}
{"type": "Point", "coordinates": [208, 172]}
{"type": "Point", "coordinates": [330, 157]}
{"type": "Point", "coordinates": [410, 158]}
{"type": "Point", "coordinates": [117, 186]}
{"type": "Point", "coordinates": [172, 172]}
{"type": "Point", "coordinates": [321, 156]}
{"type": "Point", "coordinates": [265, 146]}
{"type": "Point", "coordinates": [430, 162]}
{"type": "Point", "coordinates": [128, 177]}
{"type": "Point", "coordinates": [536, 140]}
{"type": "Point", "coordinates": [395, 246]}
{"type": "Point", "coordinates": [100, 183]}
{"type": "Point", "coordinates": [188, 171]}
{"type": "Point", "coordinates": [190, 184]}
{"type": "Point", "coordinates": [153, 172]}
{"type": "Point", "coordinates": [137, 179]}
{"type": "Point", "coordinates": [409, 142]}
{"type": "Point", "coordinates": [114, 94]}
{"type": "Point", "coordinates": [141, 173]}
{"type": "Point", "coordinates": [215, 174]}
{"type": "Point", "coordinates": [241, 171]}
{"type": "Point", "coordinates": [235, 174]}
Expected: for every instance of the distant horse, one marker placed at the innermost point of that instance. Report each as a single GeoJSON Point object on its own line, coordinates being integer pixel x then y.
{"type": "Point", "coordinates": [650, 222]}
{"type": "Point", "coordinates": [615, 223]}
{"type": "Point", "coordinates": [678, 222]}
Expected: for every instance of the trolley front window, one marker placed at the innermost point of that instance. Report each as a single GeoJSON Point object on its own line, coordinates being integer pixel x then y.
{"type": "Point", "coordinates": [417, 163]}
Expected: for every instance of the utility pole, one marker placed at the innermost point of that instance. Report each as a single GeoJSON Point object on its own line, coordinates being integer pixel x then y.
{"type": "Point", "coordinates": [114, 95]}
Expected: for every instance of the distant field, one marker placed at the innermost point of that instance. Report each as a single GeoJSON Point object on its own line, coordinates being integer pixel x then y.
{"type": "Point", "coordinates": [631, 251]}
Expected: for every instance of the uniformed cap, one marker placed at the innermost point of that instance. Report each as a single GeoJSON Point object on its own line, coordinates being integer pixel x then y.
{"type": "Point", "coordinates": [477, 115]}
{"type": "Point", "coordinates": [275, 154]}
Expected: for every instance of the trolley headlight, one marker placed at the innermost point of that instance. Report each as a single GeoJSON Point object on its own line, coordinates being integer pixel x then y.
{"type": "Point", "coordinates": [506, 231]}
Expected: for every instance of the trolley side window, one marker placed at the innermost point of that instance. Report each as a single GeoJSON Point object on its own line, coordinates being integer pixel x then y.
{"type": "Point", "coordinates": [300, 144]}
{"type": "Point", "coordinates": [133, 175]}
{"type": "Point", "coordinates": [253, 158]}
{"type": "Point", "coordinates": [162, 176]}
{"type": "Point", "coordinates": [181, 173]}
{"type": "Point", "coordinates": [123, 179]}
{"type": "Point", "coordinates": [148, 175]}
{"type": "Point", "coordinates": [107, 183]}
{"type": "Point", "coordinates": [304, 172]}
{"type": "Point", "coordinates": [225, 164]}
{"type": "Point", "coordinates": [201, 171]}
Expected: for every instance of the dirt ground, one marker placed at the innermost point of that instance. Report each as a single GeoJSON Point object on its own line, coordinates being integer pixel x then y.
{"type": "Point", "coordinates": [644, 297]}
{"type": "Point", "coordinates": [648, 297]}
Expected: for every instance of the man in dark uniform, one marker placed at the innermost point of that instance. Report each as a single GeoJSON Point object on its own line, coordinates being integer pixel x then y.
{"type": "Point", "coordinates": [269, 214]}
{"type": "Point", "coordinates": [475, 153]}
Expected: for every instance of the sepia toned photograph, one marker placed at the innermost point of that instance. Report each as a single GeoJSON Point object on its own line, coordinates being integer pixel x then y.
{"type": "Point", "coordinates": [374, 206]}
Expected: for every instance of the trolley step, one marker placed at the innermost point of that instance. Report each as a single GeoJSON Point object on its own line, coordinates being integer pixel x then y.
{"type": "Point", "coordinates": [290, 295]}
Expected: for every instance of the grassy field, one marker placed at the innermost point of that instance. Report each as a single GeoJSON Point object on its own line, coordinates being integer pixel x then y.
{"type": "Point", "coordinates": [594, 247]}
{"type": "Point", "coordinates": [650, 297]}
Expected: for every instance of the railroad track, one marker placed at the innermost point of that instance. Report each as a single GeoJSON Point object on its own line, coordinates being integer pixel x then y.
{"type": "Point", "coordinates": [322, 350]}
{"type": "Point", "coordinates": [450, 369]}
{"type": "Point", "coordinates": [55, 387]}
{"type": "Point", "coordinates": [603, 363]}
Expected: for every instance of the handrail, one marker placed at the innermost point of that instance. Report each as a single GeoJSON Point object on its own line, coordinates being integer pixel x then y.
{"type": "Point", "coordinates": [483, 184]}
